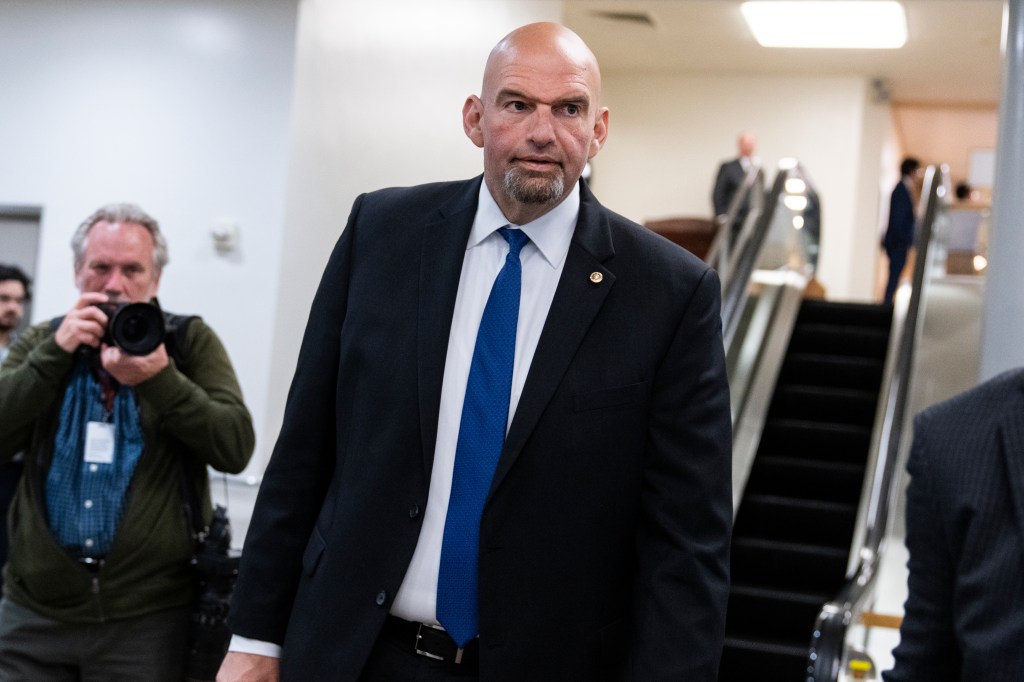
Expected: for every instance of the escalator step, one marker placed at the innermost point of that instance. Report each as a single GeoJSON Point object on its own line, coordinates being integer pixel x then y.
{"type": "Point", "coordinates": [839, 340]}
{"type": "Point", "coordinates": [803, 438]}
{"type": "Point", "coordinates": [788, 566]}
{"type": "Point", "coordinates": [780, 616]}
{"type": "Point", "coordinates": [810, 479]}
{"type": "Point", "coordinates": [746, 660]}
{"type": "Point", "coordinates": [815, 403]}
{"type": "Point", "coordinates": [767, 646]}
{"type": "Point", "coordinates": [785, 519]}
{"type": "Point", "coordinates": [861, 314]}
{"type": "Point", "coordinates": [836, 371]}
{"type": "Point", "coordinates": [802, 597]}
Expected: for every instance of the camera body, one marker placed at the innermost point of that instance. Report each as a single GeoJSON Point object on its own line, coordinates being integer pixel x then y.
{"type": "Point", "coordinates": [135, 328]}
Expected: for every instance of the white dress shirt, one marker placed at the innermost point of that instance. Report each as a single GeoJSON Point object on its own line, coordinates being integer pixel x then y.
{"type": "Point", "coordinates": [542, 260]}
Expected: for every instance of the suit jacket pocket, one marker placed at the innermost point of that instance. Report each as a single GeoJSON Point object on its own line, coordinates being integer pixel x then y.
{"type": "Point", "coordinates": [314, 551]}
{"type": "Point", "coordinates": [616, 396]}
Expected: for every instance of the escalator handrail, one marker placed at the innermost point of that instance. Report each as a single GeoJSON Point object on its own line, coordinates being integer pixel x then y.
{"type": "Point", "coordinates": [736, 283]}
{"type": "Point", "coordinates": [723, 250]}
{"type": "Point", "coordinates": [827, 645]}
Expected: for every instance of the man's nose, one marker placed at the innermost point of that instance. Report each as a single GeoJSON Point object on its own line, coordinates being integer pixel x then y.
{"type": "Point", "coordinates": [542, 129]}
{"type": "Point", "coordinates": [115, 283]}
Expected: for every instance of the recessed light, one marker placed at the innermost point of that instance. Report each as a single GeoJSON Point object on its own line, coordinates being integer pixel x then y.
{"type": "Point", "coordinates": [866, 24]}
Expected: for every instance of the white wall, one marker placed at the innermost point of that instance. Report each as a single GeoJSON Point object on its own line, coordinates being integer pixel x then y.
{"type": "Point", "coordinates": [378, 101]}
{"type": "Point", "coordinates": [668, 133]}
{"type": "Point", "coordinates": [183, 107]}
{"type": "Point", "coordinates": [178, 105]}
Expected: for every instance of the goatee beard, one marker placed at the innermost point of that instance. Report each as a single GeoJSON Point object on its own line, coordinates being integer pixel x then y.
{"type": "Point", "coordinates": [527, 189]}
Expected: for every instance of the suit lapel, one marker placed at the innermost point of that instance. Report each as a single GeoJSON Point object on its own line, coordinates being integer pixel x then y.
{"type": "Point", "coordinates": [575, 305]}
{"type": "Point", "coordinates": [443, 250]}
{"type": "Point", "coordinates": [1012, 432]}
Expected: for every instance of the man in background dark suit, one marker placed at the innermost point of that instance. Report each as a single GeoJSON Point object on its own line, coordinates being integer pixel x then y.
{"type": "Point", "coordinates": [899, 232]}
{"type": "Point", "coordinates": [729, 181]}
{"type": "Point", "coordinates": [965, 531]}
{"type": "Point", "coordinates": [603, 540]}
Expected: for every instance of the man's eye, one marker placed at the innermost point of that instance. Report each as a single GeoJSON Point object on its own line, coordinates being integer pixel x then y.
{"type": "Point", "coordinates": [518, 106]}
{"type": "Point", "coordinates": [572, 109]}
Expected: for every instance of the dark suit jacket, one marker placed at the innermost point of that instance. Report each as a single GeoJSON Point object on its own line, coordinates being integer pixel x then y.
{"type": "Point", "coordinates": [727, 182]}
{"type": "Point", "coordinates": [899, 233]}
{"type": "Point", "coordinates": [965, 532]}
{"type": "Point", "coordinates": [604, 539]}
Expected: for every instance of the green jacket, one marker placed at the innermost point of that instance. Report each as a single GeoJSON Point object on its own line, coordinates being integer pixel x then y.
{"type": "Point", "coordinates": [195, 418]}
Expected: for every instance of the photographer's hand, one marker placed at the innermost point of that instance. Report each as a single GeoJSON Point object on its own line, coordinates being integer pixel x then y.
{"type": "Point", "coordinates": [243, 667]}
{"type": "Point", "coordinates": [84, 324]}
{"type": "Point", "coordinates": [130, 370]}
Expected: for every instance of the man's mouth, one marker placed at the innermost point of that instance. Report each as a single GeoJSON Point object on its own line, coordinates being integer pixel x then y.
{"type": "Point", "coordinates": [537, 163]}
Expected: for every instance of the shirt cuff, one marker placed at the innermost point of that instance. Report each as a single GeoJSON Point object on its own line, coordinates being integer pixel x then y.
{"type": "Point", "coordinates": [244, 645]}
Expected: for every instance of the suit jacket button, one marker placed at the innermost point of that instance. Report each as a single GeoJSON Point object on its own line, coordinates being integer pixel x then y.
{"type": "Point", "coordinates": [381, 598]}
{"type": "Point", "coordinates": [414, 511]}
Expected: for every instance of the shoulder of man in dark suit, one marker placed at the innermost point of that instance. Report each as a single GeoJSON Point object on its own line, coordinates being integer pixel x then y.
{"type": "Point", "coordinates": [958, 488]}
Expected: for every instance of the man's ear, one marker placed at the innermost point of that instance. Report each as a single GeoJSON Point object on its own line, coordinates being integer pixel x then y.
{"type": "Point", "coordinates": [600, 132]}
{"type": "Point", "coordinates": [472, 114]}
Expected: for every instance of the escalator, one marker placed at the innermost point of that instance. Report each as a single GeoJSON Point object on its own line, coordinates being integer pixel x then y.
{"type": "Point", "coordinates": [819, 410]}
{"type": "Point", "coordinates": [797, 516]}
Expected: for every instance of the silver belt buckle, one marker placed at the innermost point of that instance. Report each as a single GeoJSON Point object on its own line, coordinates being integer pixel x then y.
{"type": "Point", "coordinates": [421, 652]}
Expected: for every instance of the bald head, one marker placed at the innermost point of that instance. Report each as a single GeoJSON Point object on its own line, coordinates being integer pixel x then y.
{"type": "Point", "coordinates": [538, 118]}
{"type": "Point", "coordinates": [746, 144]}
{"type": "Point", "coordinates": [543, 37]}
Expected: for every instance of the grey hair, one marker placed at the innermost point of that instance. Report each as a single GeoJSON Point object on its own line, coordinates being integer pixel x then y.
{"type": "Point", "coordinates": [121, 213]}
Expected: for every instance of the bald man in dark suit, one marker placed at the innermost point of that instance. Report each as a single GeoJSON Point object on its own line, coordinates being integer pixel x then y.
{"type": "Point", "coordinates": [600, 551]}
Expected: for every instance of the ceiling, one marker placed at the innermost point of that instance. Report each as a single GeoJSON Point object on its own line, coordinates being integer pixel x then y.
{"type": "Point", "coordinates": [952, 55]}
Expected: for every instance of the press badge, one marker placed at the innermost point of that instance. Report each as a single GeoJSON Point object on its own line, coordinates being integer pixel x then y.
{"type": "Point", "coordinates": [99, 442]}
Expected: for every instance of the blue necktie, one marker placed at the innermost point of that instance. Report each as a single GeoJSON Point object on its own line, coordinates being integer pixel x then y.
{"type": "Point", "coordinates": [481, 438]}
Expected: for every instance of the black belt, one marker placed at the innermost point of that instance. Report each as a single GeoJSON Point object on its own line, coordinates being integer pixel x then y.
{"type": "Point", "coordinates": [431, 641]}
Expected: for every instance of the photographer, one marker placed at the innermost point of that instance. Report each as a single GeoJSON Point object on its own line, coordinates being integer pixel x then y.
{"type": "Point", "coordinates": [98, 582]}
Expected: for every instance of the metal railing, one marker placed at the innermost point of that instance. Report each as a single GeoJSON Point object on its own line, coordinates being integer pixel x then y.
{"type": "Point", "coordinates": [761, 300]}
{"type": "Point", "coordinates": [746, 206]}
{"type": "Point", "coordinates": [828, 643]}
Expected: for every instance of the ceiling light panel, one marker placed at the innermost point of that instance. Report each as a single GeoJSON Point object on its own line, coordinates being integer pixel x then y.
{"type": "Point", "coordinates": [867, 24]}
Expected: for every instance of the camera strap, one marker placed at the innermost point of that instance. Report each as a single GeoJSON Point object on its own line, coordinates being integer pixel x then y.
{"type": "Point", "coordinates": [193, 508]}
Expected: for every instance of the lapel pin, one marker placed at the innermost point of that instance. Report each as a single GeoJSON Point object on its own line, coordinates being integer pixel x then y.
{"type": "Point", "coordinates": [596, 277]}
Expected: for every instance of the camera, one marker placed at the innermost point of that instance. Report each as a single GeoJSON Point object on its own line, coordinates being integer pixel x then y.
{"type": "Point", "coordinates": [135, 328]}
{"type": "Point", "coordinates": [216, 567]}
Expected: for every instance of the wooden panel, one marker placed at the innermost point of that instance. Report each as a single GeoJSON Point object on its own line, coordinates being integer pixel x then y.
{"type": "Point", "coordinates": [693, 234]}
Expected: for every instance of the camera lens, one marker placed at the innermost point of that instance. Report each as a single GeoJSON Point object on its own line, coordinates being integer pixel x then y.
{"type": "Point", "coordinates": [137, 328]}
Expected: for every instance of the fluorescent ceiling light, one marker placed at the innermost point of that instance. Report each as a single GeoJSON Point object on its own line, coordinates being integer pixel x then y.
{"type": "Point", "coordinates": [867, 24]}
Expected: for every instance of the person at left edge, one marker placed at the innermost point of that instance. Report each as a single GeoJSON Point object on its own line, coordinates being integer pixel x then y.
{"type": "Point", "coordinates": [98, 583]}
{"type": "Point", "coordinates": [15, 291]}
